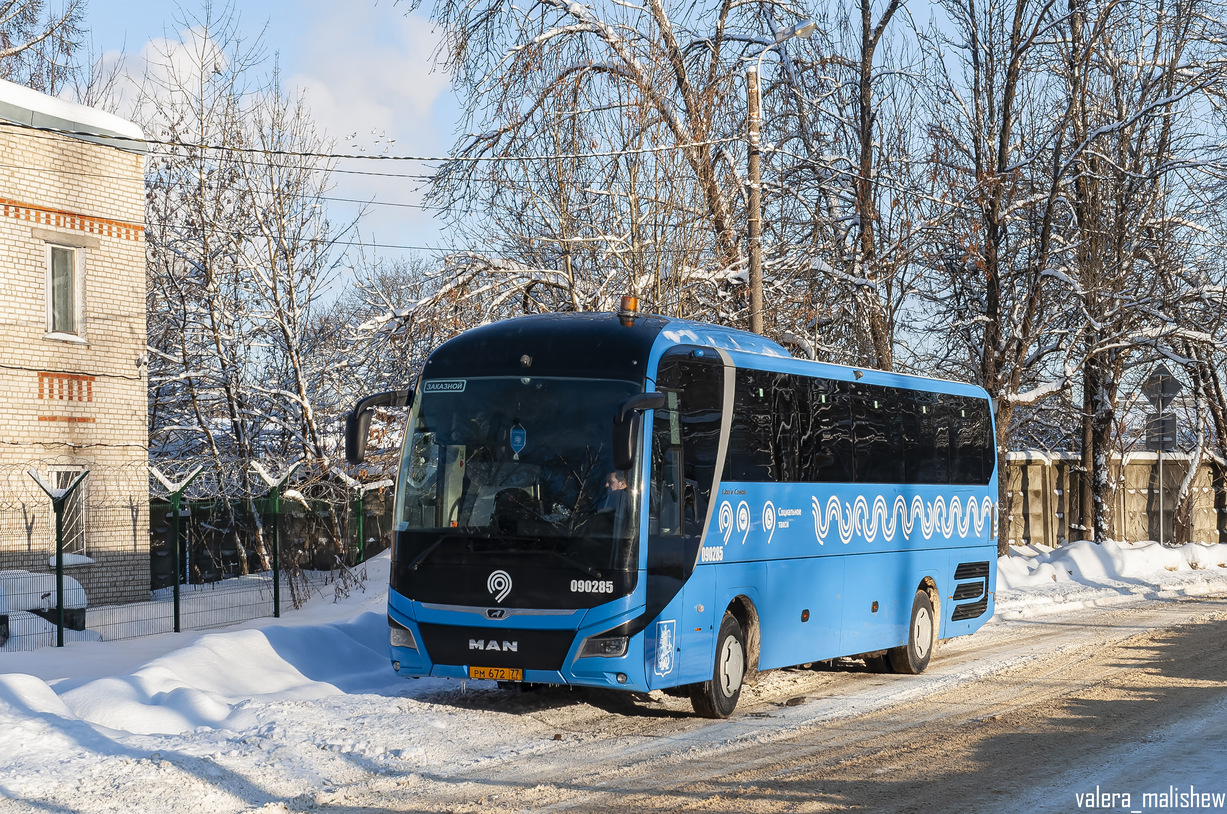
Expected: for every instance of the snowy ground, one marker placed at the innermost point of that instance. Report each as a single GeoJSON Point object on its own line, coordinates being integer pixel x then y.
{"type": "Point", "coordinates": [273, 714]}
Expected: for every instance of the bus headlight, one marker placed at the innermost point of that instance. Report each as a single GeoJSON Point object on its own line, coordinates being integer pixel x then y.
{"type": "Point", "coordinates": [607, 646]}
{"type": "Point", "coordinates": [400, 636]}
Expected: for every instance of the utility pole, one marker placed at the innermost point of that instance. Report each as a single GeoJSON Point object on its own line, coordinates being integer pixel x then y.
{"type": "Point", "coordinates": [754, 217]}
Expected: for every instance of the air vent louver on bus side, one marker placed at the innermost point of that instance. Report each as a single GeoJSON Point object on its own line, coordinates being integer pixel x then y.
{"type": "Point", "coordinates": [968, 590]}
{"type": "Point", "coordinates": [977, 590]}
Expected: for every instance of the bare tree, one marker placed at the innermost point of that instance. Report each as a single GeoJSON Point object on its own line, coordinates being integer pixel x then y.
{"type": "Point", "coordinates": [288, 259]}
{"type": "Point", "coordinates": [1135, 75]}
{"type": "Point", "coordinates": [848, 187]}
{"type": "Point", "coordinates": [39, 43]}
{"type": "Point", "coordinates": [199, 329]}
{"type": "Point", "coordinates": [603, 157]}
{"type": "Point", "coordinates": [996, 135]}
{"type": "Point", "coordinates": [240, 259]}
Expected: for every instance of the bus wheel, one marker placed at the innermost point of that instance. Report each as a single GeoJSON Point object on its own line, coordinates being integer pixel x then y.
{"type": "Point", "coordinates": [914, 656]}
{"type": "Point", "coordinates": [718, 698]}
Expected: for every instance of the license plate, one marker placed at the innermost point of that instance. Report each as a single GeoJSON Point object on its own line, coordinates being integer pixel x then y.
{"type": "Point", "coordinates": [497, 673]}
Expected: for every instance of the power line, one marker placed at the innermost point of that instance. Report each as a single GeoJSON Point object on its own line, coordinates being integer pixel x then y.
{"type": "Point", "coordinates": [181, 230]}
{"type": "Point", "coordinates": [382, 203]}
{"type": "Point", "coordinates": [646, 251]}
{"type": "Point", "coordinates": [106, 177]}
{"type": "Point", "coordinates": [363, 157]}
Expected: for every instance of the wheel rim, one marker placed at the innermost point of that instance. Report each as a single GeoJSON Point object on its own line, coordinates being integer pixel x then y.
{"type": "Point", "coordinates": [732, 666]}
{"type": "Point", "coordinates": [924, 632]}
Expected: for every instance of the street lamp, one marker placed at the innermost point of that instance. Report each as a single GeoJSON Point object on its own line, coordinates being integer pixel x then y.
{"type": "Point", "coordinates": [754, 218]}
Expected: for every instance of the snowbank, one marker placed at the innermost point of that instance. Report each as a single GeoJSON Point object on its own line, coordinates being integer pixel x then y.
{"type": "Point", "coordinates": [28, 591]}
{"type": "Point", "coordinates": [1037, 579]}
{"type": "Point", "coordinates": [269, 707]}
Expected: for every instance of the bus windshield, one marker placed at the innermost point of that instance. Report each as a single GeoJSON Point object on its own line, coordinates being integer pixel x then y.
{"type": "Point", "coordinates": [501, 465]}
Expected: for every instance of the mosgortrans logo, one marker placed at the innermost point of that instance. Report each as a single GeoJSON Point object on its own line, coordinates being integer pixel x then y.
{"type": "Point", "coordinates": [444, 386]}
{"type": "Point", "coordinates": [499, 584]}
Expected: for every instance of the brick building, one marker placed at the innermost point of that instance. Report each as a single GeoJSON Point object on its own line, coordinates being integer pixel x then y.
{"type": "Point", "coordinates": [72, 341]}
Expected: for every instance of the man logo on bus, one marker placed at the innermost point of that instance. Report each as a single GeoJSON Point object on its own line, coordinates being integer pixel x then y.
{"type": "Point", "coordinates": [499, 584]}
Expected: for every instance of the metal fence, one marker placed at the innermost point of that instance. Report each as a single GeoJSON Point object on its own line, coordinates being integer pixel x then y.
{"type": "Point", "coordinates": [239, 558]}
{"type": "Point", "coordinates": [114, 570]}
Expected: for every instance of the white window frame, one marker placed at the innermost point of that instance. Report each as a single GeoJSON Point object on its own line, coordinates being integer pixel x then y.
{"type": "Point", "coordinates": [76, 514]}
{"type": "Point", "coordinates": [78, 255]}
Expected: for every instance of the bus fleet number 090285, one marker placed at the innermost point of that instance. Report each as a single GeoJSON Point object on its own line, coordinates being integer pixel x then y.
{"type": "Point", "coordinates": [592, 586]}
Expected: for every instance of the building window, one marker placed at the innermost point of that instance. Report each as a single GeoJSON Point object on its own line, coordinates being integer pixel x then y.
{"type": "Point", "coordinates": [74, 510]}
{"type": "Point", "coordinates": [64, 266]}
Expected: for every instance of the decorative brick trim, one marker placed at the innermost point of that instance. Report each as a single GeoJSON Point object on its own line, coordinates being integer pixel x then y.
{"type": "Point", "coordinates": [71, 419]}
{"type": "Point", "coordinates": [65, 386]}
{"type": "Point", "coordinates": [62, 219]}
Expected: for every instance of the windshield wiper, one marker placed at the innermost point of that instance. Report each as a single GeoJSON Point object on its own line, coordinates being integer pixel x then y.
{"type": "Point", "coordinates": [426, 552]}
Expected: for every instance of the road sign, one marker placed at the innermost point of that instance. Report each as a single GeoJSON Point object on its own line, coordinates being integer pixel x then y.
{"type": "Point", "coordinates": [1161, 387]}
{"type": "Point", "coordinates": [1160, 432]}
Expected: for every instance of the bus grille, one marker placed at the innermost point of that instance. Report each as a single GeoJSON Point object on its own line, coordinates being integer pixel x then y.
{"type": "Point", "coordinates": [497, 646]}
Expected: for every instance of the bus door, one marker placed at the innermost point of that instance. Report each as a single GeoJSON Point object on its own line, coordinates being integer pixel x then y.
{"type": "Point", "coordinates": [685, 445]}
{"type": "Point", "coordinates": [880, 582]}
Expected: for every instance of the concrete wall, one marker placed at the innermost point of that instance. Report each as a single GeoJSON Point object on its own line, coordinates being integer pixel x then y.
{"type": "Point", "coordinates": [1042, 498]}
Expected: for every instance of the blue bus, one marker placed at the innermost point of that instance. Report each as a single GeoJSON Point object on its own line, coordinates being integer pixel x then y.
{"type": "Point", "coordinates": [631, 501]}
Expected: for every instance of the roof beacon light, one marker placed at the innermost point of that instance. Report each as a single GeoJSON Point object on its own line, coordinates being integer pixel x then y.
{"type": "Point", "coordinates": [628, 310]}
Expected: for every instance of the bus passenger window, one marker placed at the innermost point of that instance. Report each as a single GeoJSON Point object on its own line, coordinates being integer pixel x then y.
{"type": "Point", "coordinates": [827, 447]}
{"type": "Point", "coordinates": [878, 431]}
{"type": "Point", "coordinates": [969, 436]}
{"type": "Point", "coordinates": [750, 436]}
{"type": "Point", "coordinates": [788, 397]}
{"type": "Point", "coordinates": [926, 460]}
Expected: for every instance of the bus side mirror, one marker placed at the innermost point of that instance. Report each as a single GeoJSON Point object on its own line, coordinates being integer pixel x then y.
{"type": "Point", "coordinates": [358, 422]}
{"type": "Point", "coordinates": [626, 426]}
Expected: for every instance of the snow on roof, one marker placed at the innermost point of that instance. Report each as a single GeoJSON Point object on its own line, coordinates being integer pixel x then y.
{"type": "Point", "coordinates": [23, 105]}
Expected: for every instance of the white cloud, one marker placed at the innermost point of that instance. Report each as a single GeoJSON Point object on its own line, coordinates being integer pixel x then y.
{"type": "Point", "coordinates": [369, 71]}
{"type": "Point", "coordinates": [363, 67]}
{"type": "Point", "coordinates": [357, 82]}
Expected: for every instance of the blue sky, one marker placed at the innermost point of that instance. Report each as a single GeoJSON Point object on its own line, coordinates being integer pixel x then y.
{"type": "Point", "coordinates": [366, 68]}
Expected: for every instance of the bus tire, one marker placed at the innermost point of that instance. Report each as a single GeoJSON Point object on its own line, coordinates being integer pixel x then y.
{"type": "Point", "coordinates": [718, 698]}
{"type": "Point", "coordinates": [914, 656]}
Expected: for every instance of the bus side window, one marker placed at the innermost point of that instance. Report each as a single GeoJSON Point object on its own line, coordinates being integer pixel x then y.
{"type": "Point", "coordinates": [789, 401]}
{"type": "Point", "coordinates": [700, 381]}
{"type": "Point", "coordinates": [969, 436]}
{"type": "Point", "coordinates": [878, 432]}
{"type": "Point", "coordinates": [750, 436]}
{"type": "Point", "coordinates": [666, 469]}
{"type": "Point", "coordinates": [942, 437]}
{"type": "Point", "coordinates": [925, 461]}
{"type": "Point", "coordinates": [826, 449]}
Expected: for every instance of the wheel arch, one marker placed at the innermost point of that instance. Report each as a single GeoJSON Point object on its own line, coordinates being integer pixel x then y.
{"type": "Point", "coordinates": [929, 585]}
{"type": "Point", "coordinates": [744, 611]}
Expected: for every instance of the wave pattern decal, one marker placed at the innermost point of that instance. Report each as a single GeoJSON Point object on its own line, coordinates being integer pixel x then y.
{"type": "Point", "coordinates": [858, 519]}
